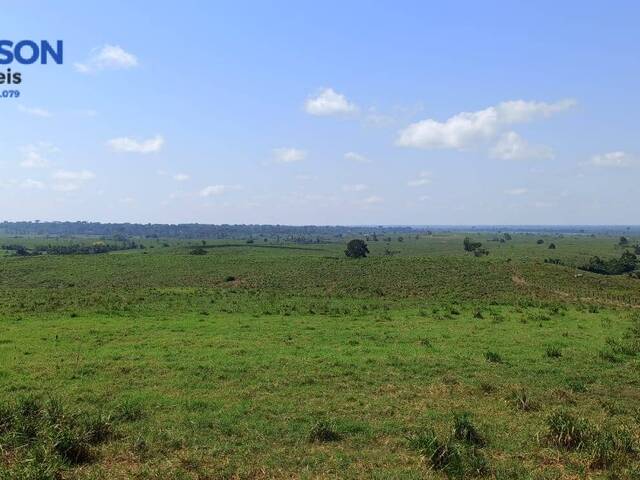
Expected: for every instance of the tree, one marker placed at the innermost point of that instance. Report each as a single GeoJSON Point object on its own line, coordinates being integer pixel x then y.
{"type": "Point", "coordinates": [540, 241]}
{"type": "Point", "coordinates": [470, 245]}
{"type": "Point", "coordinates": [356, 249]}
{"type": "Point", "coordinates": [624, 241]}
{"type": "Point", "coordinates": [507, 236]}
{"type": "Point", "coordinates": [552, 246]}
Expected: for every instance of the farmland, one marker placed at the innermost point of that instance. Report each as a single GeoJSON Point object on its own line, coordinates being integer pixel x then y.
{"type": "Point", "coordinates": [280, 359]}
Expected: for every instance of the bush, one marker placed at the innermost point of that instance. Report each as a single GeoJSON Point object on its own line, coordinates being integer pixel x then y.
{"type": "Point", "coordinates": [198, 251]}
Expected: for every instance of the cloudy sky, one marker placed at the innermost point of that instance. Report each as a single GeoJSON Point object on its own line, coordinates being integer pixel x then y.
{"type": "Point", "coordinates": [325, 113]}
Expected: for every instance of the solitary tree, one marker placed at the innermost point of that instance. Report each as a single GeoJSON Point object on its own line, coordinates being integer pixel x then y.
{"type": "Point", "coordinates": [470, 245]}
{"type": "Point", "coordinates": [552, 246]}
{"type": "Point", "coordinates": [356, 249]}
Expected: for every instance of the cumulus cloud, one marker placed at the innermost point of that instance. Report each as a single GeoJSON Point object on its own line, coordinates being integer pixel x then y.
{"type": "Point", "coordinates": [32, 184]}
{"type": "Point", "coordinates": [215, 190]}
{"type": "Point", "coordinates": [329, 102]}
{"type": "Point", "coordinates": [356, 157]}
{"type": "Point", "coordinates": [372, 200]}
{"type": "Point", "coordinates": [108, 57]}
{"type": "Point", "coordinates": [35, 111]}
{"type": "Point", "coordinates": [512, 146]}
{"type": "Point", "coordinates": [358, 187]}
{"type": "Point", "coordinates": [467, 129]}
{"type": "Point", "coordinates": [131, 145]}
{"type": "Point", "coordinates": [36, 155]}
{"type": "Point", "coordinates": [516, 191]}
{"type": "Point", "coordinates": [69, 181]}
{"type": "Point", "coordinates": [613, 160]}
{"type": "Point", "coordinates": [288, 155]}
{"type": "Point", "coordinates": [424, 178]}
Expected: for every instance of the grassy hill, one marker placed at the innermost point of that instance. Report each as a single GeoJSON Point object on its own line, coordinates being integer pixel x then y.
{"type": "Point", "coordinates": [283, 360]}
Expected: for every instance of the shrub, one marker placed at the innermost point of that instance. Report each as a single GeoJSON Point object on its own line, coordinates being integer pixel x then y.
{"type": "Point", "coordinates": [198, 251]}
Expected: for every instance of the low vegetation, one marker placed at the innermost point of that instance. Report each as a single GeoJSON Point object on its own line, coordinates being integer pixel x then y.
{"type": "Point", "coordinates": [278, 359]}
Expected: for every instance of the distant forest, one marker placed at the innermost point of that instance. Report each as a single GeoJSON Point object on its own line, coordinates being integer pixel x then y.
{"type": "Point", "coordinates": [191, 230]}
{"type": "Point", "coordinates": [196, 230]}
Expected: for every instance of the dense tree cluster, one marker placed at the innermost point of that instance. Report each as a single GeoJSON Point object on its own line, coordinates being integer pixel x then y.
{"type": "Point", "coordinates": [627, 263]}
{"type": "Point", "coordinates": [298, 234]}
{"type": "Point", "coordinates": [73, 249]}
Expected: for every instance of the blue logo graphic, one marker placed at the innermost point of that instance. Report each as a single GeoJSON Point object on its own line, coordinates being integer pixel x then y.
{"type": "Point", "coordinates": [28, 52]}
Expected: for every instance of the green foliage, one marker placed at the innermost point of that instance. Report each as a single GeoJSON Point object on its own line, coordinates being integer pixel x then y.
{"type": "Point", "coordinates": [323, 431]}
{"type": "Point", "coordinates": [43, 439]}
{"type": "Point", "coordinates": [567, 431]}
{"type": "Point", "coordinates": [465, 431]}
{"type": "Point", "coordinates": [356, 248]}
{"type": "Point", "coordinates": [470, 245]}
{"type": "Point", "coordinates": [627, 262]}
{"type": "Point", "coordinates": [493, 357]}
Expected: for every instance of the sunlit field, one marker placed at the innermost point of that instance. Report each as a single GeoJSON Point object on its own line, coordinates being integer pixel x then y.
{"type": "Point", "coordinates": [285, 360]}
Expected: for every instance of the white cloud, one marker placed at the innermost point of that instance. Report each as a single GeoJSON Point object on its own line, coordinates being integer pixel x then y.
{"type": "Point", "coordinates": [35, 111]}
{"type": "Point", "coordinates": [109, 57]}
{"type": "Point", "coordinates": [80, 176]}
{"type": "Point", "coordinates": [467, 129]}
{"type": "Point", "coordinates": [358, 187]}
{"type": "Point", "coordinates": [32, 184]}
{"type": "Point", "coordinates": [372, 200]}
{"type": "Point", "coordinates": [69, 181]}
{"type": "Point", "coordinates": [131, 145]}
{"type": "Point", "coordinates": [181, 177]}
{"type": "Point", "coordinates": [329, 102]}
{"type": "Point", "coordinates": [356, 157]}
{"type": "Point", "coordinates": [613, 160]}
{"type": "Point", "coordinates": [288, 155]}
{"type": "Point", "coordinates": [215, 190]}
{"type": "Point", "coordinates": [36, 155]}
{"type": "Point", "coordinates": [516, 191]}
{"type": "Point", "coordinates": [512, 146]}
{"type": "Point", "coordinates": [424, 178]}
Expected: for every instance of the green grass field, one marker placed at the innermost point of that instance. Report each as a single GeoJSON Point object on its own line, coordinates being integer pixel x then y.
{"type": "Point", "coordinates": [273, 360]}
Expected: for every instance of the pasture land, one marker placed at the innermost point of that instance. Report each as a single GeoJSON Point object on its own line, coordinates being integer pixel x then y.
{"type": "Point", "coordinates": [284, 360]}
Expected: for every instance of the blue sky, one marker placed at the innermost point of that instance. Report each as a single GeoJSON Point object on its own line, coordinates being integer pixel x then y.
{"type": "Point", "coordinates": [325, 113]}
